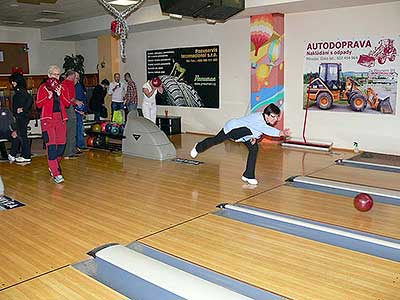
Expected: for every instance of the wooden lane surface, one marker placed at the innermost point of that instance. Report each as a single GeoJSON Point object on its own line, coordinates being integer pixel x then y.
{"type": "Point", "coordinates": [291, 266]}
{"type": "Point", "coordinates": [375, 178]}
{"type": "Point", "coordinates": [273, 161]}
{"type": "Point", "coordinates": [98, 205]}
{"type": "Point", "coordinates": [112, 198]}
{"type": "Point", "coordinates": [382, 219]}
{"type": "Point", "coordinates": [66, 284]}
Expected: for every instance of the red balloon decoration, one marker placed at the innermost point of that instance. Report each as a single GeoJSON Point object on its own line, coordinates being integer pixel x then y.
{"type": "Point", "coordinates": [114, 26]}
{"type": "Point", "coordinates": [17, 70]}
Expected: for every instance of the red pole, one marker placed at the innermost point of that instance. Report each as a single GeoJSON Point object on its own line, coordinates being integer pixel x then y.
{"type": "Point", "coordinates": [306, 114]}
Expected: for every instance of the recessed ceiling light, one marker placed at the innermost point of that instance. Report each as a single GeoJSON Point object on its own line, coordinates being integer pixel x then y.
{"type": "Point", "coordinates": [14, 22]}
{"type": "Point", "coordinates": [51, 12]}
{"type": "Point", "coordinates": [47, 20]}
{"type": "Point", "coordinates": [175, 16]}
{"type": "Point", "coordinates": [124, 2]}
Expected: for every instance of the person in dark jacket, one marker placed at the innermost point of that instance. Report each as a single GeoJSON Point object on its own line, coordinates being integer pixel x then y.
{"type": "Point", "coordinates": [80, 110]}
{"type": "Point", "coordinates": [8, 131]}
{"type": "Point", "coordinates": [21, 108]}
{"type": "Point", "coordinates": [97, 100]}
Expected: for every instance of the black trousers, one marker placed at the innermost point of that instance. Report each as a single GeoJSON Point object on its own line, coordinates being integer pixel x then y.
{"type": "Point", "coordinates": [14, 144]}
{"type": "Point", "coordinates": [22, 131]}
{"type": "Point", "coordinates": [234, 134]}
{"type": "Point", "coordinates": [3, 150]}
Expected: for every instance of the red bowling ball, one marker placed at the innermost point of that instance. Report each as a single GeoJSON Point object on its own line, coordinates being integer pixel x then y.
{"type": "Point", "coordinates": [156, 81]}
{"type": "Point", "coordinates": [103, 127]}
{"type": "Point", "coordinates": [52, 84]}
{"type": "Point", "coordinates": [363, 202]}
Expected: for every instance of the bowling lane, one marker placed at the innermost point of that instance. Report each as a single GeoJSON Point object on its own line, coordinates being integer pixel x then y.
{"type": "Point", "coordinates": [66, 284]}
{"type": "Point", "coordinates": [288, 265]}
{"type": "Point", "coordinates": [382, 219]}
{"type": "Point", "coordinates": [374, 178]}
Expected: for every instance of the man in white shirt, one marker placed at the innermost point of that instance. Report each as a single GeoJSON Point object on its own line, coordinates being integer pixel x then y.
{"type": "Point", "coordinates": [117, 92]}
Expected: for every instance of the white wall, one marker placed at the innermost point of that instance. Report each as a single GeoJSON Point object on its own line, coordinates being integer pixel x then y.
{"type": "Point", "coordinates": [41, 53]}
{"type": "Point", "coordinates": [88, 48]}
{"type": "Point", "coordinates": [378, 133]}
{"type": "Point", "coordinates": [233, 40]}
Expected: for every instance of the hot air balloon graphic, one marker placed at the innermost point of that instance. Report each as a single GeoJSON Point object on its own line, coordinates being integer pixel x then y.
{"type": "Point", "coordinates": [261, 31]}
{"type": "Point", "coordinates": [274, 51]}
{"type": "Point", "coordinates": [262, 74]}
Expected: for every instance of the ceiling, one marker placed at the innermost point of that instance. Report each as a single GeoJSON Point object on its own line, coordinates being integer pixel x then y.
{"type": "Point", "coordinates": [72, 10]}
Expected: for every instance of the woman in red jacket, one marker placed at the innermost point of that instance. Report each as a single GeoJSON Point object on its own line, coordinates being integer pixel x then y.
{"type": "Point", "coordinates": [53, 99]}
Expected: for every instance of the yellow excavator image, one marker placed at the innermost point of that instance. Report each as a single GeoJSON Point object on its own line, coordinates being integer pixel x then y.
{"type": "Point", "coordinates": [329, 87]}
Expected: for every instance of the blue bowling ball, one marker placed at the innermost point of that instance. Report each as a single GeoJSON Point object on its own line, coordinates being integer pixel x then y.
{"type": "Point", "coordinates": [115, 129]}
{"type": "Point", "coordinates": [108, 128]}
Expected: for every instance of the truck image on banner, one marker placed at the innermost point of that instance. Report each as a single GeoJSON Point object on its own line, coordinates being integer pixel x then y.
{"type": "Point", "coordinates": [352, 75]}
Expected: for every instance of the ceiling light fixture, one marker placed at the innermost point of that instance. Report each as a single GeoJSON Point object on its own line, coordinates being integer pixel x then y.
{"type": "Point", "coordinates": [175, 16]}
{"type": "Point", "coordinates": [123, 2]}
{"type": "Point", "coordinates": [47, 20]}
{"type": "Point", "coordinates": [13, 22]}
{"type": "Point", "coordinates": [51, 12]}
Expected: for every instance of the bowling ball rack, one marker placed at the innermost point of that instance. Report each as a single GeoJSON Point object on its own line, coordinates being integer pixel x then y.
{"type": "Point", "coordinates": [112, 142]}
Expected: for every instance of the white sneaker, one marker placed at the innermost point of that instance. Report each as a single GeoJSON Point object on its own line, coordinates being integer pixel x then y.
{"type": "Point", "coordinates": [21, 159]}
{"type": "Point", "coordinates": [58, 179]}
{"type": "Point", "coordinates": [250, 180]}
{"type": "Point", "coordinates": [11, 158]}
{"type": "Point", "coordinates": [194, 152]}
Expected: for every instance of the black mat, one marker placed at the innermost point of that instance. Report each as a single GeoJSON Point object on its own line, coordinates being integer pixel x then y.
{"type": "Point", "coordinates": [187, 161]}
{"type": "Point", "coordinates": [378, 158]}
{"type": "Point", "coordinates": [9, 203]}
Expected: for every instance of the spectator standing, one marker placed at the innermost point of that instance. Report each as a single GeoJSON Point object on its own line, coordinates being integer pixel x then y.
{"type": "Point", "coordinates": [117, 92]}
{"type": "Point", "coordinates": [80, 110]}
{"type": "Point", "coordinates": [21, 108]}
{"type": "Point", "coordinates": [8, 131]}
{"type": "Point", "coordinates": [96, 102]}
{"type": "Point", "coordinates": [131, 97]}
{"type": "Point", "coordinates": [69, 85]}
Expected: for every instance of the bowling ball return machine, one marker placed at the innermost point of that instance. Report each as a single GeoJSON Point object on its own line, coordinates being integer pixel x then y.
{"type": "Point", "coordinates": [145, 139]}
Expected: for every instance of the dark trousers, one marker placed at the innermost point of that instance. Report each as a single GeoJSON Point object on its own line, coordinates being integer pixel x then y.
{"type": "Point", "coordinates": [80, 132]}
{"type": "Point", "coordinates": [14, 144]}
{"type": "Point", "coordinates": [22, 131]}
{"type": "Point", "coordinates": [234, 134]}
{"type": "Point", "coordinates": [70, 147]}
{"type": "Point", "coordinates": [3, 150]}
{"type": "Point", "coordinates": [96, 115]}
{"type": "Point", "coordinates": [116, 106]}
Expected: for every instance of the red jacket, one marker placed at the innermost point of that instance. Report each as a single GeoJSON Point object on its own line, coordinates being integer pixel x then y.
{"type": "Point", "coordinates": [46, 104]}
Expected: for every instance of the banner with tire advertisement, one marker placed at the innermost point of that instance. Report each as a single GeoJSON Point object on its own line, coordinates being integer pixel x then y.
{"type": "Point", "coordinates": [190, 76]}
{"type": "Point", "coordinates": [352, 75]}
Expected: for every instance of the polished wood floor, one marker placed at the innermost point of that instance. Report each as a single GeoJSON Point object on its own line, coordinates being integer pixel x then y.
{"type": "Point", "coordinates": [66, 283]}
{"type": "Point", "coordinates": [291, 266]}
{"type": "Point", "coordinates": [374, 178]}
{"type": "Point", "coordinates": [382, 219]}
{"type": "Point", "coordinates": [112, 198]}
